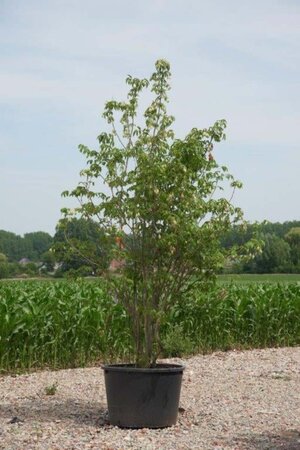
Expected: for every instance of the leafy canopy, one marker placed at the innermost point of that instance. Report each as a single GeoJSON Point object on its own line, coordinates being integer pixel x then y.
{"type": "Point", "coordinates": [157, 196]}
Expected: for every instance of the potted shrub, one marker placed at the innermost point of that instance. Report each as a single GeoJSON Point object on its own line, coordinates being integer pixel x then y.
{"type": "Point", "coordinates": [155, 196]}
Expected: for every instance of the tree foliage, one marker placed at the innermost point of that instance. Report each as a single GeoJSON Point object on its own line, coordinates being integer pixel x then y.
{"type": "Point", "coordinates": [80, 246]}
{"type": "Point", "coordinates": [161, 191]}
{"type": "Point", "coordinates": [280, 251]}
{"type": "Point", "coordinates": [31, 246]}
{"type": "Point", "coordinates": [37, 243]}
{"type": "Point", "coordinates": [293, 238]}
{"type": "Point", "coordinates": [275, 255]}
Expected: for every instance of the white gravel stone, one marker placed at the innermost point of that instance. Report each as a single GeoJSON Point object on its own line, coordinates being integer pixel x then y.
{"type": "Point", "coordinates": [239, 400]}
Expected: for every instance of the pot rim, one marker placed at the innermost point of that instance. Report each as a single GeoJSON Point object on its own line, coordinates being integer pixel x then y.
{"type": "Point", "coordinates": [159, 368]}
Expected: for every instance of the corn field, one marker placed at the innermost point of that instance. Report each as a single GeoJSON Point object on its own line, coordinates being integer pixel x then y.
{"type": "Point", "coordinates": [240, 316]}
{"type": "Point", "coordinates": [59, 324]}
{"type": "Point", "coordinates": [75, 323]}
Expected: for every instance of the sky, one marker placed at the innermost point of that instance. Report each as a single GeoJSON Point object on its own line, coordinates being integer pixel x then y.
{"type": "Point", "coordinates": [60, 60]}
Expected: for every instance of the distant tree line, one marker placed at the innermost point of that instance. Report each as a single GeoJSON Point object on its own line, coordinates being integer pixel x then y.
{"type": "Point", "coordinates": [23, 254]}
{"type": "Point", "coordinates": [31, 245]}
{"type": "Point", "coordinates": [280, 247]}
{"type": "Point", "coordinates": [80, 248]}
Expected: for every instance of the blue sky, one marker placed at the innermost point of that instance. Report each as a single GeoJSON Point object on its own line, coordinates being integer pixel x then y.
{"type": "Point", "coordinates": [61, 60]}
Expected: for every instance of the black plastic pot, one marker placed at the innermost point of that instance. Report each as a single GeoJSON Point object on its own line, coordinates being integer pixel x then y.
{"type": "Point", "coordinates": [143, 398]}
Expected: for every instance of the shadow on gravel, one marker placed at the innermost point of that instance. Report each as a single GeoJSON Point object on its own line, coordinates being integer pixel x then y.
{"type": "Point", "coordinates": [52, 410]}
{"type": "Point", "coordinates": [287, 440]}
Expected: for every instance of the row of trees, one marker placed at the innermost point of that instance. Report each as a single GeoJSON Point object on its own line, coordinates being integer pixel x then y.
{"type": "Point", "coordinates": [280, 247]}
{"type": "Point", "coordinates": [80, 247]}
{"type": "Point", "coordinates": [31, 246]}
{"type": "Point", "coordinates": [26, 254]}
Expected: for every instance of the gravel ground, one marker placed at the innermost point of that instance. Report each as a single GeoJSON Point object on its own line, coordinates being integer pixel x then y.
{"type": "Point", "coordinates": [239, 400]}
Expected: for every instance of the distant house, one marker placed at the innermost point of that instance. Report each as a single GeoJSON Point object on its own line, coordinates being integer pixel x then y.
{"type": "Point", "coordinates": [116, 265]}
{"type": "Point", "coordinates": [24, 261]}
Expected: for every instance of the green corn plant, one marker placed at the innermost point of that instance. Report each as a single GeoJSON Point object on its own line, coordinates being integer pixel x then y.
{"type": "Point", "coordinates": [69, 324]}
